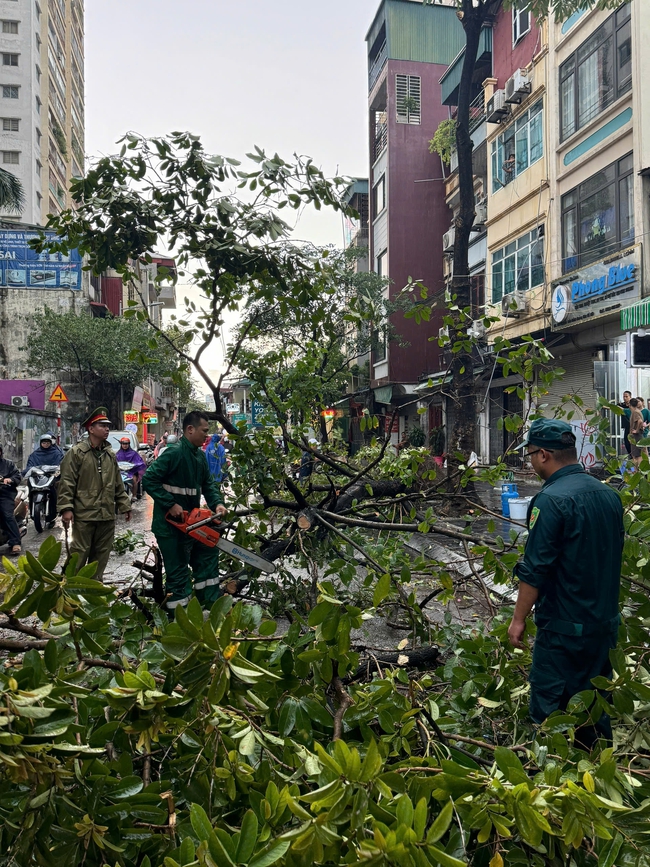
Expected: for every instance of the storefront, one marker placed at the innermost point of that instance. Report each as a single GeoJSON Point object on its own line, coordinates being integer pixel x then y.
{"type": "Point", "coordinates": [590, 343]}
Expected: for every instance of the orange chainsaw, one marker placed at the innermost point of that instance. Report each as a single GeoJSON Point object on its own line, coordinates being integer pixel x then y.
{"type": "Point", "coordinates": [200, 524]}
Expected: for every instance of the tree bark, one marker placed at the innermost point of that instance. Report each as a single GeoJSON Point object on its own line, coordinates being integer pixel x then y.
{"type": "Point", "coordinates": [461, 392]}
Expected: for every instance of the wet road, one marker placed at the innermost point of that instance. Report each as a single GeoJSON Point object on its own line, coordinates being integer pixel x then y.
{"type": "Point", "coordinates": [119, 571]}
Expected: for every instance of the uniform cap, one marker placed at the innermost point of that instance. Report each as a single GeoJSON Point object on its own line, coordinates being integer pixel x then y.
{"type": "Point", "coordinates": [549, 433]}
{"type": "Point", "coordinates": [97, 415]}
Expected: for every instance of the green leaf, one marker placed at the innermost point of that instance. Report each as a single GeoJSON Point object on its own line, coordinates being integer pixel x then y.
{"type": "Point", "coordinates": [420, 819]}
{"type": "Point", "coordinates": [247, 744]}
{"type": "Point", "coordinates": [203, 829]}
{"type": "Point", "coordinates": [247, 837]}
{"type": "Point", "coordinates": [382, 590]}
{"type": "Point", "coordinates": [51, 656]}
{"type": "Point", "coordinates": [271, 854]}
{"type": "Point", "coordinates": [127, 787]}
{"type": "Point", "coordinates": [443, 858]}
{"type": "Point", "coordinates": [441, 824]}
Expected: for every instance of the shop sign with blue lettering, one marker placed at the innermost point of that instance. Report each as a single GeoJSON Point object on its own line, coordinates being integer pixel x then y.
{"type": "Point", "coordinates": [598, 290]}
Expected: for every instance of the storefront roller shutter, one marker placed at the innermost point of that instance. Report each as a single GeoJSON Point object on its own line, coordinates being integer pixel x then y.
{"type": "Point", "coordinates": [578, 379]}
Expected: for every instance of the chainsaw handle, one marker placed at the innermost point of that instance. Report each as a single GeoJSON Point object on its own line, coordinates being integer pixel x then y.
{"type": "Point", "coordinates": [177, 519]}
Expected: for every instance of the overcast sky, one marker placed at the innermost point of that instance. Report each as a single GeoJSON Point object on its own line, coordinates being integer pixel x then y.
{"type": "Point", "coordinates": [289, 76]}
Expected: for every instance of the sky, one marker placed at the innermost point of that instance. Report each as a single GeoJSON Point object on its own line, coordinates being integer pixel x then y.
{"type": "Point", "coordinates": [289, 76]}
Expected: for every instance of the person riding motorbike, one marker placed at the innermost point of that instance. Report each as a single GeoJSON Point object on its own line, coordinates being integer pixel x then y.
{"type": "Point", "coordinates": [129, 455]}
{"type": "Point", "coordinates": [170, 440]}
{"type": "Point", "coordinates": [48, 454]}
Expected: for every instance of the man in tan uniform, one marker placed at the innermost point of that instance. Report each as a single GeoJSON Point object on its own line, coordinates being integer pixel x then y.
{"type": "Point", "coordinates": [90, 492]}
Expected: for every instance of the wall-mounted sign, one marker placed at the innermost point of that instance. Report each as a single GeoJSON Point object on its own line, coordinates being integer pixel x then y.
{"type": "Point", "coordinates": [597, 290]}
{"type": "Point", "coordinates": [232, 407]}
{"type": "Point", "coordinates": [131, 416]}
{"type": "Point", "coordinates": [136, 403]}
{"type": "Point", "coordinates": [149, 418]}
{"type": "Point", "coordinates": [22, 267]}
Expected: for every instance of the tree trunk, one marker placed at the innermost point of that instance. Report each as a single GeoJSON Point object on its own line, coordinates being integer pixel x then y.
{"type": "Point", "coordinates": [463, 434]}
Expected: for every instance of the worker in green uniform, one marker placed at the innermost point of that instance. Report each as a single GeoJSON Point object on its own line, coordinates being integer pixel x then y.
{"type": "Point", "coordinates": [175, 482]}
{"type": "Point", "coordinates": [570, 573]}
{"type": "Point", "coordinates": [91, 490]}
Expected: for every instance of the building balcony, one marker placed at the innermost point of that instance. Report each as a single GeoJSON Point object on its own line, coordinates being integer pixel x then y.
{"type": "Point", "coordinates": [377, 65]}
{"type": "Point", "coordinates": [450, 81]}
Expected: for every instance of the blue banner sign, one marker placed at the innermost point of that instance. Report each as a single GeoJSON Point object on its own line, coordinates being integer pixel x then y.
{"type": "Point", "coordinates": [22, 267]}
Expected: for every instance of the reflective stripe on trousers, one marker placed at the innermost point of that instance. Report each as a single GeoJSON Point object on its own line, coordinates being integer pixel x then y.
{"type": "Point", "coordinates": [211, 582]}
{"type": "Point", "coordinates": [184, 492]}
{"type": "Point", "coordinates": [176, 602]}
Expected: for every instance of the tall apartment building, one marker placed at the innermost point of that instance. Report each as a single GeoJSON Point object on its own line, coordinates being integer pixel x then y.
{"type": "Point", "coordinates": [567, 187]}
{"type": "Point", "coordinates": [410, 46]}
{"type": "Point", "coordinates": [42, 101]}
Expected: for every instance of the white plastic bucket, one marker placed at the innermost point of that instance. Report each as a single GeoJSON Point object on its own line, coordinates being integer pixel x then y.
{"type": "Point", "coordinates": [519, 508]}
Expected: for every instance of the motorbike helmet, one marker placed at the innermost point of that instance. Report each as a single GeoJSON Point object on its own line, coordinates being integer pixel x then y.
{"type": "Point", "coordinates": [46, 438]}
{"type": "Point", "coordinates": [171, 439]}
{"type": "Point", "coordinates": [125, 440]}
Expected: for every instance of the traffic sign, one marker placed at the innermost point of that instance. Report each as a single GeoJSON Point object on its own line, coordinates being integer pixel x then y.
{"type": "Point", "coordinates": [58, 395]}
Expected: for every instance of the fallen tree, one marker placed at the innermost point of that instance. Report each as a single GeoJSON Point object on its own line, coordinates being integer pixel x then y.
{"type": "Point", "coordinates": [238, 740]}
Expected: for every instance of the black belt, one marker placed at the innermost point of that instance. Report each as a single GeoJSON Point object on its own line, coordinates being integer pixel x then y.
{"type": "Point", "coordinates": [580, 630]}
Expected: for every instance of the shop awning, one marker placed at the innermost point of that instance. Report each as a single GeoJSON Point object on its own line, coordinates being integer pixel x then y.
{"type": "Point", "coordinates": [636, 316]}
{"type": "Point", "coordinates": [384, 394]}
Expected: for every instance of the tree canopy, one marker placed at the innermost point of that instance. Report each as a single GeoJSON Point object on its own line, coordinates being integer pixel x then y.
{"type": "Point", "coordinates": [99, 355]}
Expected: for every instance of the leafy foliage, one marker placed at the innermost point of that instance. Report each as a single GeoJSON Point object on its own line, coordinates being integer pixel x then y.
{"type": "Point", "coordinates": [12, 195]}
{"type": "Point", "coordinates": [101, 355]}
{"type": "Point", "coordinates": [126, 739]}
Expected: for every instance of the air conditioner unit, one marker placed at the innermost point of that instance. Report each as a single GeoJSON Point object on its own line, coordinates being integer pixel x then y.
{"type": "Point", "coordinates": [481, 213]}
{"type": "Point", "coordinates": [20, 400]}
{"type": "Point", "coordinates": [514, 304]}
{"type": "Point", "coordinates": [518, 86]}
{"type": "Point", "coordinates": [448, 240]}
{"type": "Point", "coordinates": [497, 108]}
{"type": "Point", "coordinates": [443, 333]}
{"type": "Point", "coordinates": [477, 329]}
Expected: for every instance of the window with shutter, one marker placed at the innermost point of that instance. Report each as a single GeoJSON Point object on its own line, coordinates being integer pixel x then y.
{"type": "Point", "coordinates": [408, 98]}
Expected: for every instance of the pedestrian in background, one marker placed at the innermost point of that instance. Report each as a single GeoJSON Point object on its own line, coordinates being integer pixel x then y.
{"type": "Point", "coordinates": [570, 572]}
{"type": "Point", "coordinates": [91, 490]}
{"type": "Point", "coordinates": [215, 454]}
{"type": "Point", "coordinates": [644, 412]}
{"type": "Point", "coordinates": [162, 443]}
{"type": "Point", "coordinates": [9, 481]}
{"type": "Point", "coordinates": [625, 419]}
{"type": "Point", "coordinates": [636, 430]}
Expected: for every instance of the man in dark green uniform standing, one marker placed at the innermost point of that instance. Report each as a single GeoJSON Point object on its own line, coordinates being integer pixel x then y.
{"type": "Point", "coordinates": [175, 482]}
{"type": "Point", "coordinates": [90, 492]}
{"type": "Point", "coordinates": [570, 573]}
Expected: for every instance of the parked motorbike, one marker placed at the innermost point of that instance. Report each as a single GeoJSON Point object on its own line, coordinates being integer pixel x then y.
{"type": "Point", "coordinates": [125, 468]}
{"type": "Point", "coordinates": [42, 483]}
{"type": "Point", "coordinates": [21, 514]}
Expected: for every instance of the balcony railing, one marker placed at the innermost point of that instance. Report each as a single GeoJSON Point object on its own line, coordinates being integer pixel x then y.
{"type": "Point", "coordinates": [377, 65]}
{"type": "Point", "coordinates": [476, 111]}
{"type": "Point", "coordinates": [381, 138]}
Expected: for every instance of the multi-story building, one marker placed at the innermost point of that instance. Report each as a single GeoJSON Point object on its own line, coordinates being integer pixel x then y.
{"type": "Point", "coordinates": [42, 100]}
{"type": "Point", "coordinates": [148, 291]}
{"type": "Point", "coordinates": [565, 180]}
{"type": "Point", "coordinates": [410, 46]}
